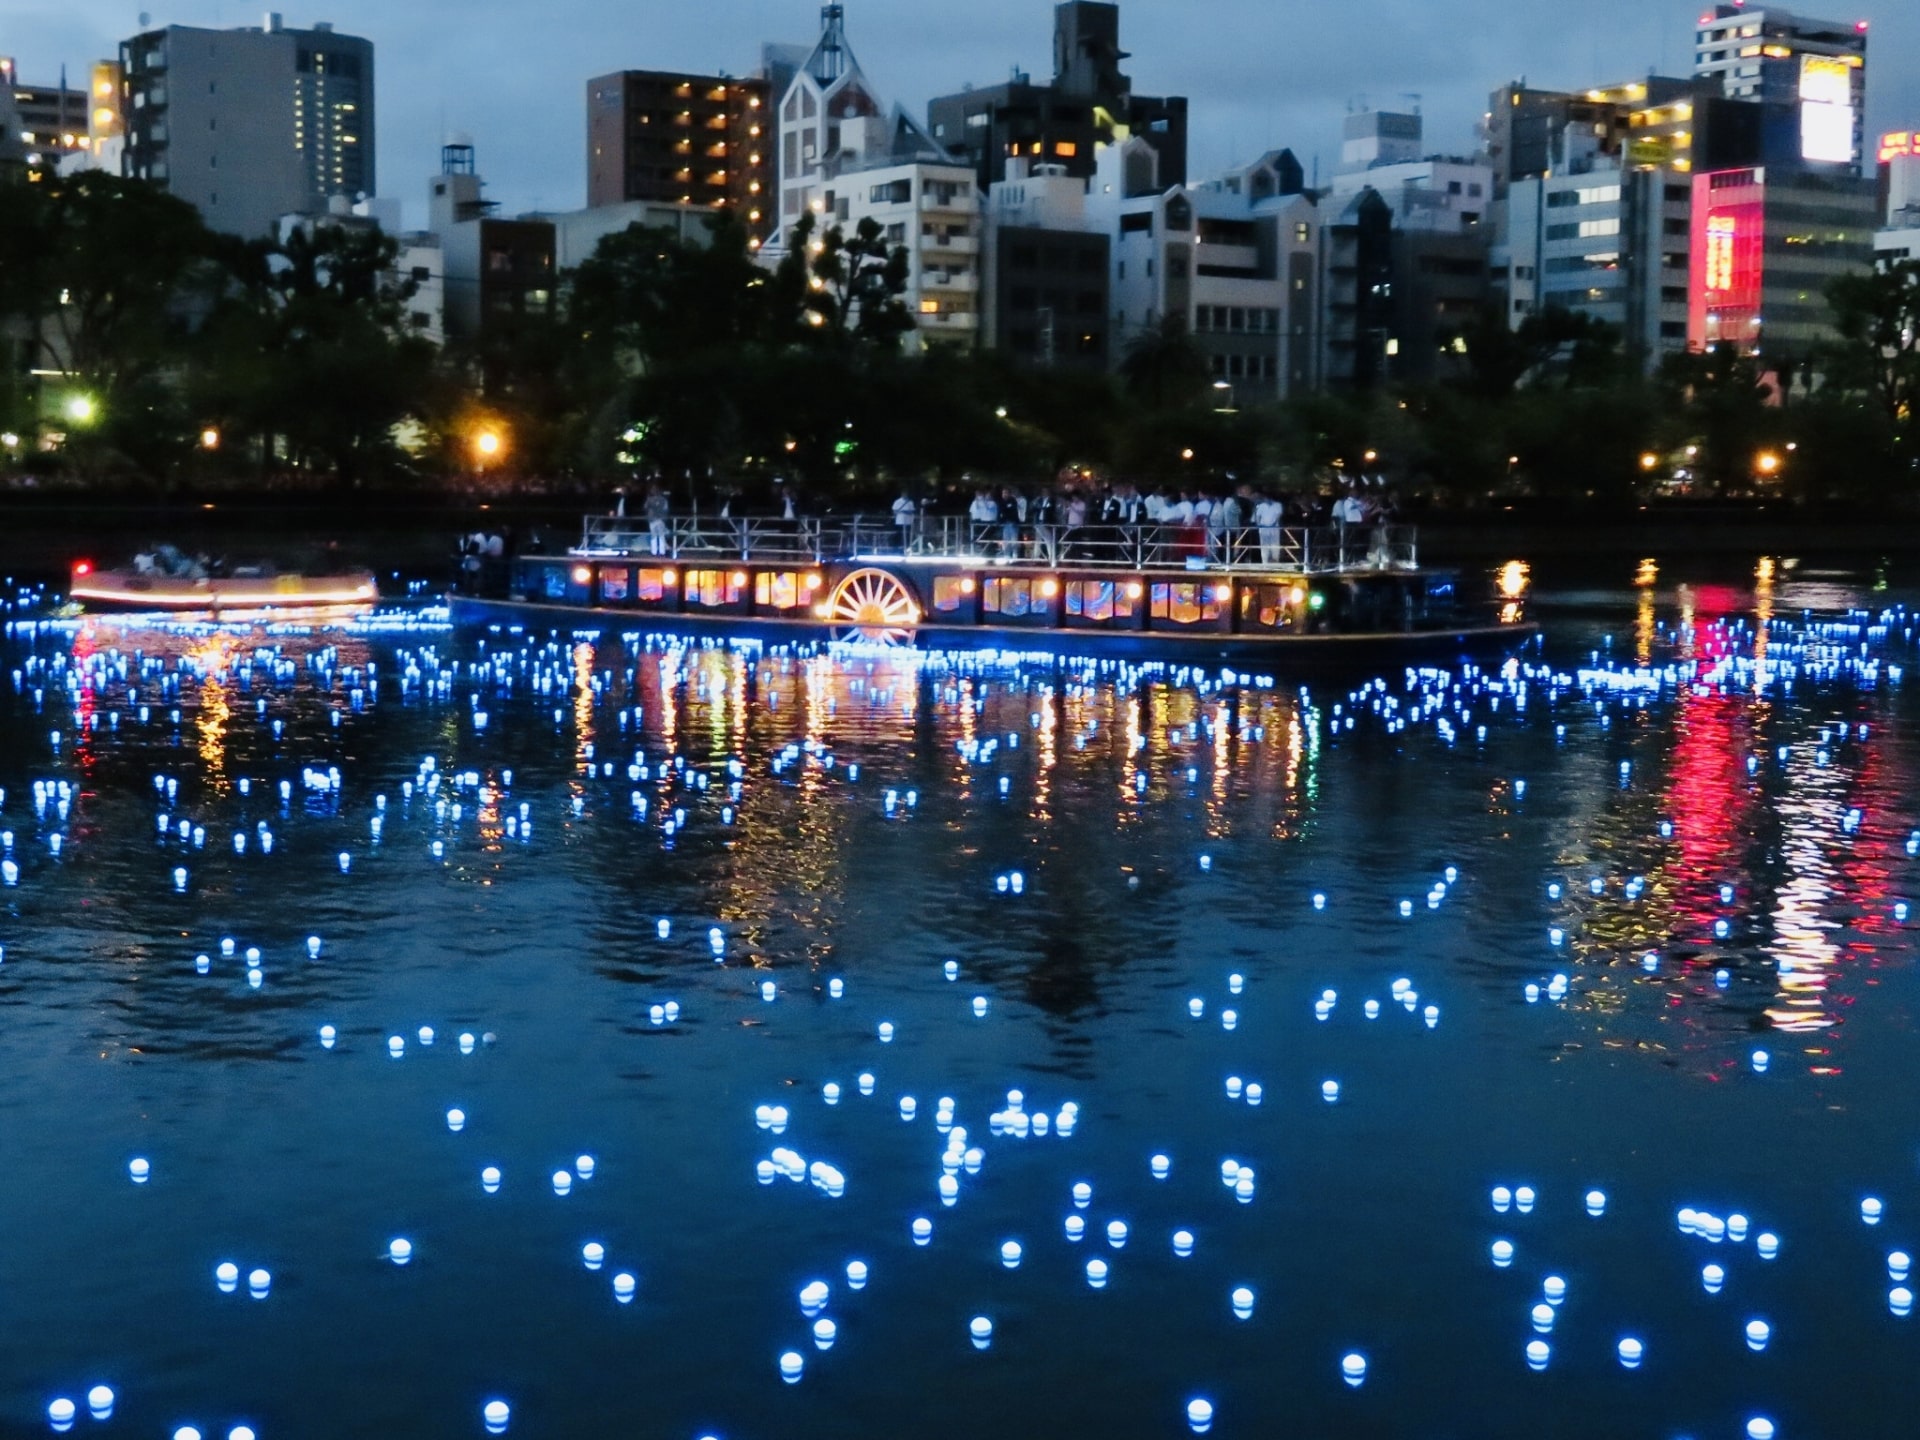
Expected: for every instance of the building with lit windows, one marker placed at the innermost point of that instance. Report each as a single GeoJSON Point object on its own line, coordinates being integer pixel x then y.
{"type": "Point", "coordinates": [1766, 244]}
{"type": "Point", "coordinates": [1089, 103]}
{"type": "Point", "coordinates": [1594, 207]}
{"type": "Point", "coordinates": [48, 122]}
{"type": "Point", "coordinates": [1899, 179]}
{"type": "Point", "coordinates": [669, 138]}
{"type": "Point", "coordinates": [1809, 75]}
{"type": "Point", "coordinates": [250, 125]}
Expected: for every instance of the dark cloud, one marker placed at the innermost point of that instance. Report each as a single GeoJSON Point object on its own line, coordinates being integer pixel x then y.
{"type": "Point", "coordinates": [1260, 73]}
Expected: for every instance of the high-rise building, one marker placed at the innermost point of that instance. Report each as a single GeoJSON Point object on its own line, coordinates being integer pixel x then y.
{"type": "Point", "coordinates": [49, 121]}
{"type": "Point", "coordinates": [1810, 75]}
{"type": "Point", "coordinates": [1595, 188]}
{"type": "Point", "coordinates": [1766, 244]}
{"type": "Point", "coordinates": [1089, 103]}
{"type": "Point", "coordinates": [253, 124]}
{"type": "Point", "coordinates": [671, 138]}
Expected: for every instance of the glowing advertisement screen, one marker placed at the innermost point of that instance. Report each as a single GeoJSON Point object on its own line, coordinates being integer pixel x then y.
{"type": "Point", "coordinates": [1826, 110]}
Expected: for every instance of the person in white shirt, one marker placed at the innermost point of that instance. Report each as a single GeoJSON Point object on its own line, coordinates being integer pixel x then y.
{"type": "Point", "coordinates": [1267, 515]}
{"type": "Point", "coordinates": [983, 512]}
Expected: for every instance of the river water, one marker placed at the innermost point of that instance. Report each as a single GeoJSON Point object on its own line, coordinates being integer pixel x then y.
{"type": "Point", "coordinates": [963, 877]}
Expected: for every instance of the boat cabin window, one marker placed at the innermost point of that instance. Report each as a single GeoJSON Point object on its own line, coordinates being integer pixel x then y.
{"type": "Point", "coordinates": [650, 585]}
{"type": "Point", "coordinates": [952, 592]}
{"type": "Point", "coordinates": [715, 587]}
{"type": "Point", "coordinates": [1268, 607]}
{"type": "Point", "coordinates": [1009, 597]}
{"type": "Point", "coordinates": [777, 589]}
{"type": "Point", "coordinates": [553, 579]}
{"type": "Point", "coordinates": [1186, 602]}
{"type": "Point", "coordinates": [1101, 600]}
{"type": "Point", "coordinates": [613, 582]}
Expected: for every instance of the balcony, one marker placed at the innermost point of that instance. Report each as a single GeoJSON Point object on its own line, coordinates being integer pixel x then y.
{"type": "Point", "coordinates": [949, 322]}
{"type": "Point", "coordinates": [962, 282]}
{"type": "Point", "coordinates": [951, 244]}
{"type": "Point", "coordinates": [962, 203]}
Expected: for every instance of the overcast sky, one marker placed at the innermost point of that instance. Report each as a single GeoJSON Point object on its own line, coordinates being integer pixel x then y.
{"type": "Point", "coordinates": [1260, 73]}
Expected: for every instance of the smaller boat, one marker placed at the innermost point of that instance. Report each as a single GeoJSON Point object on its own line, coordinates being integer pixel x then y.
{"type": "Point", "coordinates": [165, 579]}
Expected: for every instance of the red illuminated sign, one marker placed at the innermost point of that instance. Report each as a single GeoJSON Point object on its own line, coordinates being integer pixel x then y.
{"type": "Point", "coordinates": [1729, 246]}
{"type": "Point", "coordinates": [1898, 144]}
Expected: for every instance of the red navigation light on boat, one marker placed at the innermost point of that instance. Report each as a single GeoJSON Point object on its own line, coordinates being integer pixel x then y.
{"type": "Point", "coordinates": [82, 567]}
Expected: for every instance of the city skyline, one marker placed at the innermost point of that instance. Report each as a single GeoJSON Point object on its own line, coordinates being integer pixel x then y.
{"type": "Point", "coordinates": [525, 108]}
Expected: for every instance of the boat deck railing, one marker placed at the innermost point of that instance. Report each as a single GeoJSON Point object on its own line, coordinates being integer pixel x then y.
{"type": "Point", "coordinates": [1295, 549]}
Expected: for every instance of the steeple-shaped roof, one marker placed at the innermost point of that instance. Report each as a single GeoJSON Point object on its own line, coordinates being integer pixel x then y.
{"type": "Point", "coordinates": [832, 57]}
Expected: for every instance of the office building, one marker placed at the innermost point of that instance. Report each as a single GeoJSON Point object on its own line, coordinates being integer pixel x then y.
{"type": "Point", "coordinates": [250, 125]}
{"type": "Point", "coordinates": [1766, 245]}
{"type": "Point", "coordinates": [499, 275]}
{"type": "Point", "coordinates": [1232, 261]}
{"type": "Point", "coordinates": [1810, 77]}
{"type": "Point", "coordinates": [1046, 277]}
{"type": "Point", "coordinates": [668, 138]}
{"type": "Point", "coordinates": [1090, 102]}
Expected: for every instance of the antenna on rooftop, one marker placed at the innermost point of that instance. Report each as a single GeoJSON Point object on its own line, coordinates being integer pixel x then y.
{"type": "Point", "coordinates": [1415, 96]}
{"type": "Point", "coordinates": [832, 50]}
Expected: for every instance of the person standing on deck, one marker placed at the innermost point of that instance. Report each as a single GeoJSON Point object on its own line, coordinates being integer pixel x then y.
{"type": "Point", "coordinates": [1267, 516]}
{"type": "Point", "coordinates": [656, 512]}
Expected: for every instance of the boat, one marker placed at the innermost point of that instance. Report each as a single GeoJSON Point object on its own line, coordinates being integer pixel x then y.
{"type": "Point", "coordinates": [1343, 593]}
{"type": "Point", "coordinates": [167, 581]}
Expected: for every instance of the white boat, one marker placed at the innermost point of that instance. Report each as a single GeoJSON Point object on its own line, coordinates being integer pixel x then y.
{"type": "Point", "coordinates": [164, 579]}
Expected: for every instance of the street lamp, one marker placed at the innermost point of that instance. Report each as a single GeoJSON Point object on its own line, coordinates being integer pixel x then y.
{"type": "Point", "coordinates": [1649, 461]}
{"type": "Point", "coordinates": [210, 439]}
{"type": "Point", "coordinates": [81, 409]}
{"type": "Point", "coordinates": [1767, 463]}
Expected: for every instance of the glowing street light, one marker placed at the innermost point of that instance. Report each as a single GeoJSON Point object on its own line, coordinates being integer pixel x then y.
{"type": "Point", "coordinates": [210, 439]}
{"type": "Point", "coordinates": [1767, 463]}
{"type": "Point", "coordinates": [1649, 461]}
{"type": "Point", "coordinates": [81, 409]}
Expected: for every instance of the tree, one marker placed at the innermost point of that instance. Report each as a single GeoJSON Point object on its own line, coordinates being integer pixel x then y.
{"type": "Point", "coordinates": [849, 286]}
{"type": "Point", "coordinates": [106, 280]}
{"type": "Point", "coordinates": [311, 353]}
{"type": "Point", "coordinates": [1877, 355]}
{"type": "Point", "coordinates": [1164, 368]}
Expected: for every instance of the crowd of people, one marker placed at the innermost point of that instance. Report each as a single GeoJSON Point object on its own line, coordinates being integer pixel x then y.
{"type": "Point", "coordinates": [1077, 519]}
{"type": "Point", "coordinates": [1072, 521]}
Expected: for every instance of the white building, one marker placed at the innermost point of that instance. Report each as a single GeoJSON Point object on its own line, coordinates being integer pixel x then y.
{"type": "Point", "coordinates": [1234, 260]}
{"type": "Point", "coordinates": [578, 233]}
{"type": "Point", "coordinates": [933, 209]}
{"type": "Point", "coordinates": [844, 158]}
{"type": "Point", "coordinates": [1433, 193]}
